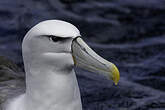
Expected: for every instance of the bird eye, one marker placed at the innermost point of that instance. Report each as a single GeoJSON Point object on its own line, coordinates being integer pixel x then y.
{"type": "Point", "coordinates": [55, 38]}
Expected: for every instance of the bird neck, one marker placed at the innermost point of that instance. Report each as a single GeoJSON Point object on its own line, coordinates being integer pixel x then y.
{"type": "Point", "coordinates": [48, 89]}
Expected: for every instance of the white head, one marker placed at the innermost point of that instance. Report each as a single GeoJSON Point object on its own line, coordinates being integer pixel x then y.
{"type": "Point", "coordinates": [57, 44]}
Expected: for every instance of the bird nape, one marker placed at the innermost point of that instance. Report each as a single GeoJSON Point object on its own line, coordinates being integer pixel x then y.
{"type": "Point", "coordinates": [50, 51]}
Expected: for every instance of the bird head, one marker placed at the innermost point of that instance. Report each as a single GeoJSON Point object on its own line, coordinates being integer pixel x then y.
{"type": "Point", "coordinates": [59, 45]}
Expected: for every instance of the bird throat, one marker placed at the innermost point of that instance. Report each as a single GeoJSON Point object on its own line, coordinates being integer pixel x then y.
{"type": "Point", "coordinates": [48, 89]}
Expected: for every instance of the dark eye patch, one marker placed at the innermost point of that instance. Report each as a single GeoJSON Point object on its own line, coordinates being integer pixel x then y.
{"type": "Point", "coordinates": [56, 38]}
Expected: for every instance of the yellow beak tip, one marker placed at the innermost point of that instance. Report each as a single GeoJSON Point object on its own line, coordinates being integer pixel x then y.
{"type": "Point", "coordinates": [116, 84]}
{"type": "Point", "coordinates": [116, 74]}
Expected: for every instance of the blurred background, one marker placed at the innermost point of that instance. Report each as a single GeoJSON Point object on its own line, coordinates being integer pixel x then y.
{"type": "Point", "coordinates": [129, 33]}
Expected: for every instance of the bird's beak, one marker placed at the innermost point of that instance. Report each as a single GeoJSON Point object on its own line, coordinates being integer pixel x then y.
{"type": "Point", "coordinates": [84, 57]}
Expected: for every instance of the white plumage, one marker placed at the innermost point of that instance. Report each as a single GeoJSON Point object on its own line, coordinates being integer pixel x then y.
{"type": "Point", "coordinates": [50, 50]}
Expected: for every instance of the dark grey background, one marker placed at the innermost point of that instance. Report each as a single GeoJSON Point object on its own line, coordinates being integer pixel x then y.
{"type": "Point", "coordinates": [129, 33]}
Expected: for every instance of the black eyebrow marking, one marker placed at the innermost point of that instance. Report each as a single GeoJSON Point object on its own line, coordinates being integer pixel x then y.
{"type": "Point", "coordinates": [58, 36]}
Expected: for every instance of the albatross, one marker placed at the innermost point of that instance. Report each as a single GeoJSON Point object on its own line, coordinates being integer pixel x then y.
{"type": "Point", "coordinates": [50, 51]}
